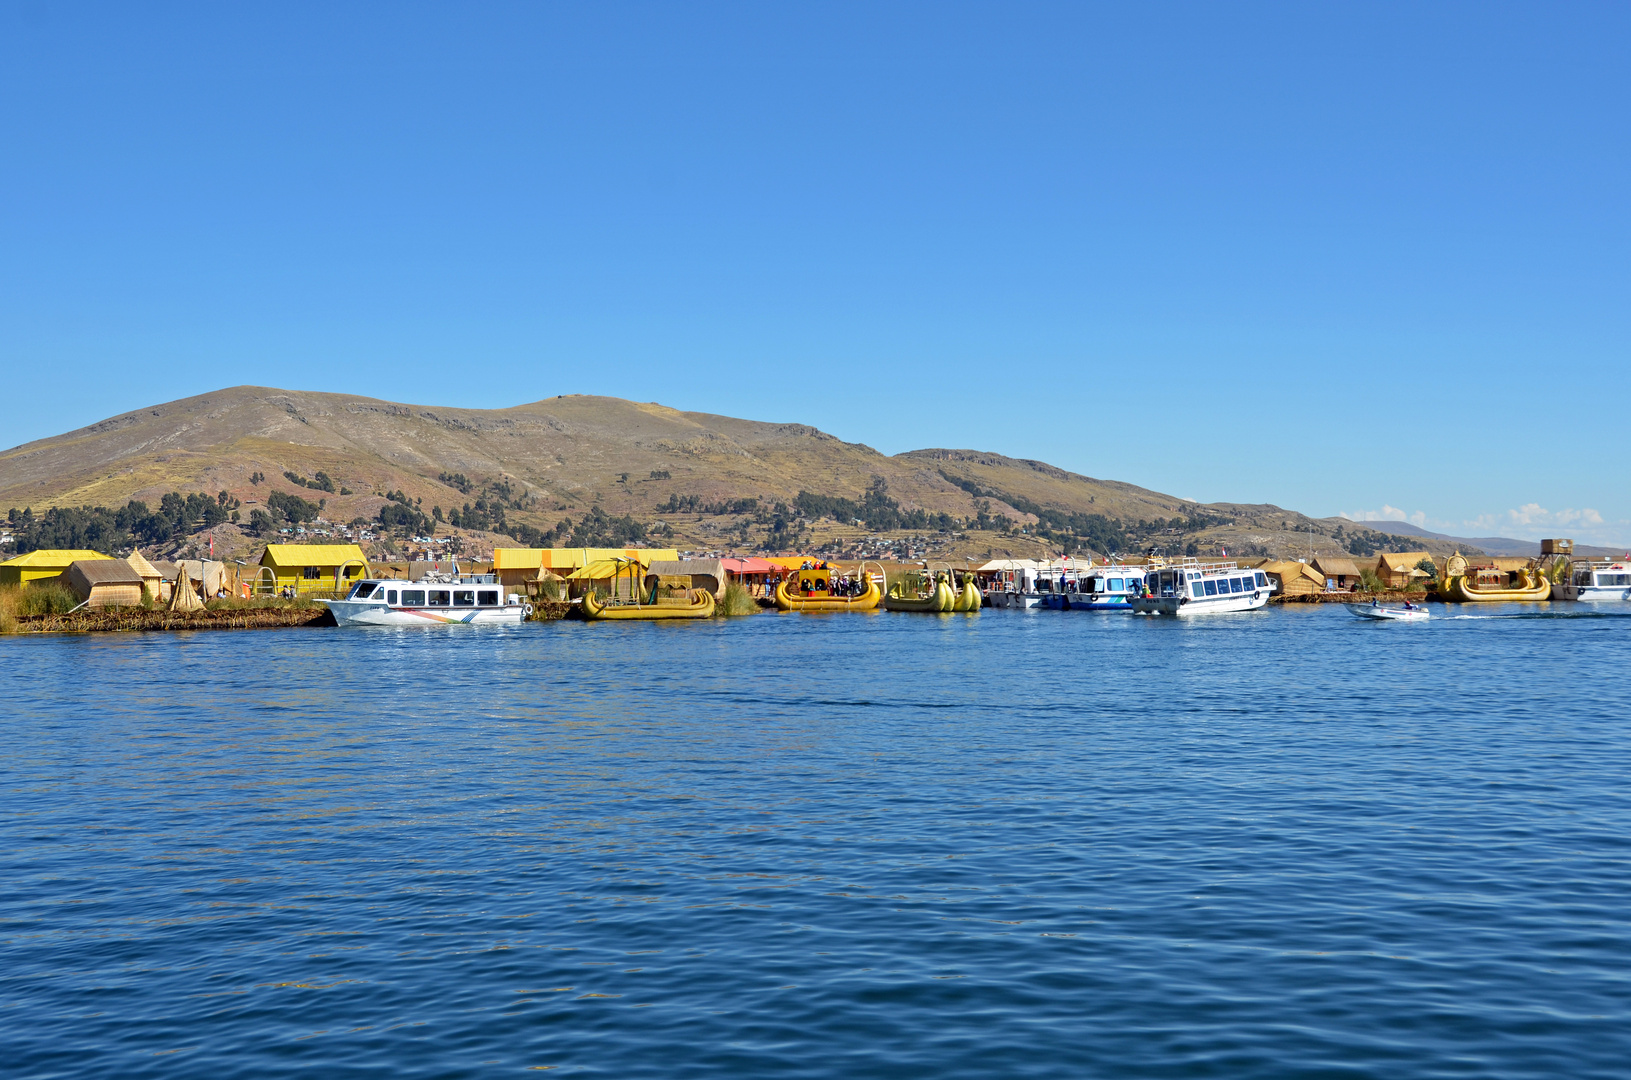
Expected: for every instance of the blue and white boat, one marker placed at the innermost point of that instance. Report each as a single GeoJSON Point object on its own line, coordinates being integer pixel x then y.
{"type": "Point", "coordinates": [1097, 588]}
{"type": "Point", "coordinates": [1189, 587]}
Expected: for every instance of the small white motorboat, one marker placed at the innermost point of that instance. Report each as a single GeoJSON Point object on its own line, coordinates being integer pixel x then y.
{"type": "Point", "coordinates": [1392, 614]}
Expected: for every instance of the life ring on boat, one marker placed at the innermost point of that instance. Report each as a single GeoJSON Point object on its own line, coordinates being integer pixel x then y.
{"type": "Point", "coordinates": [526, 610]}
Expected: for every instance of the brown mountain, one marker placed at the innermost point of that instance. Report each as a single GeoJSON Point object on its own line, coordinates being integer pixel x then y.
{"type": "Point", "coordinates": [563, 455]}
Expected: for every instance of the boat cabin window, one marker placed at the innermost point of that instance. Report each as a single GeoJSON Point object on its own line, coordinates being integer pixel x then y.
{"type": "Point", "coordinates": [1235, 585]}
{"type": "Point", "coordinates": [363, 591]}
{"type": "Point", "coordinates": [413, 597]}
{"type": "Point", "coordinates": [439, 598]}
{"type": "Point", "coordinates": [1115, 584]}
{"type": "Point", "coordinates": [1211, 587]}
{"type": "Point", "coordinates": [487, 597]}
{"type": "Point", "coordinates": [464, 598]}
{"type": "Point", "coordinates": [390, 597]}
{"type": "Point", "coordinates": [1262, 582]}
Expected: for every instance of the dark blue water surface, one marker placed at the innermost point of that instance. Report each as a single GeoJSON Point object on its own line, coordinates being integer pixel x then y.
{"type": "Point", "coordinates": [1285, 843]}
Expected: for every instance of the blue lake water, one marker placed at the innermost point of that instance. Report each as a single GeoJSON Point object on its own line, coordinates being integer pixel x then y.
{"type": "Point", "coordinates": [1279, 844]}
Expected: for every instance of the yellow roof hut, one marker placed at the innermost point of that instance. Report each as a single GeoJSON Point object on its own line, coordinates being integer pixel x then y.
{"type": "Point", "coordinates": [41, 564]}
{"type": "Point", "coordinates": [313, 567]}
{"type": "Point", "coordinates": [517, 565]}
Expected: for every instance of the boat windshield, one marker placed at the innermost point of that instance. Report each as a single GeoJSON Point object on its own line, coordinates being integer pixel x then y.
{"type": "Point", "coordinates": [362, 591]}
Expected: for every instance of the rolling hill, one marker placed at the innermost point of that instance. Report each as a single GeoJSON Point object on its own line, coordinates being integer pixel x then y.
{"type": "Point", "coordinates": [687, 472]}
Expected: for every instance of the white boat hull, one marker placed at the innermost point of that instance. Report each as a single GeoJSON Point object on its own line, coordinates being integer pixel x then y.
{"type": "Point", "coordinates": [1207, 605]}
{"type": "Point", "coordinates": [1012, 599]}
{"type": "Point", "coordinates": [1382, 614]}
{"type": "Point", "coordinates": [366, 613]}
{"type": "Point", "coordinates": [1590, 593]}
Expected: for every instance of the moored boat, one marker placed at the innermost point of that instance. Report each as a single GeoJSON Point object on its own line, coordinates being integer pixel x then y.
{"type": "Point", "coordinates": [436, 600]}
{"type": "Point", "coordinates": [1009, 583]}
{"type": "Point", "coordinates": [629, 596]}
{"type": "Point", "coordinates": [820, 588]}
{"type": "Point", "coordinates": [1596, 580]}
{"type": "Point", "coordinates": [696, 604]}
{"type": "Point", "coordinates": [1101, 588]}
{"type": "Point", "coordinates": [1189, 587]}
{"type": "Point", "coordinates": [1464, 583]}
{"type": "Point", "coordinates": [907, 594]}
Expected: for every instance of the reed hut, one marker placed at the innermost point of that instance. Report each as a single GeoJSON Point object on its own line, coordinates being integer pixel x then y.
{"type": "Point", "coordinates": [104, 583]}
{"type": "Point", "coordinates": [1341, 574]}
{"type": "Point", "coordinates": [708, 575]}
{"type": "Point", "coordinates": [1294, 578]}
{"type": "Point", "coordinates": [1397, 569]}
{"type": "Point", "coordinates": [184, 594]}
{"type": "Point", "coordinates": [152, 580]}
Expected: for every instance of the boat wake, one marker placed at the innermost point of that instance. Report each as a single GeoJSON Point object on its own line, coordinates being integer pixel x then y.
{"type": "Point", "coordinates": [1548, 615]}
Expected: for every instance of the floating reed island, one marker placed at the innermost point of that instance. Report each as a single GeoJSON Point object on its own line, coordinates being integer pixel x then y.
{"type": "Point", "coordinates": [84, 591]}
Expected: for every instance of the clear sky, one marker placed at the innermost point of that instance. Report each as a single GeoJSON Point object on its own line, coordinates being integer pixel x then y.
{"type": "Point", "coordinates": [1368, 259]}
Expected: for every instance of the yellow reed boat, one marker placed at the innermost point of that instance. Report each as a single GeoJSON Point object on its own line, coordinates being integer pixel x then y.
{"type": "Point", "coordinates": [813, 588]}
{"type": "Point", "coordinates": [697, 604]}
{"type": "Point", "coordinates": [629, 600]}
{"type": "Point", "coordinates": [902, 597]}
{"type": "Point", "coordinates": [1464, 584]}
{"type": "Point", "coordinates": [969, 598]}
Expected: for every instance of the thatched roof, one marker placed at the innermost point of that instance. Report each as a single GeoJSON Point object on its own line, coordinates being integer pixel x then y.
{"type": "Point", "coordinates": [1398, 562]}
{"type": "Point", "coordinates": [104, 572]}
{"type": "Point", "coordinates": [1284, 570]}
{"type": "Point", "coordinates": [714, 568]}
{"type": "Point", "coordinates": [1334, 566]}
{"type": "Point", "coordinates": [138, 562]}
{"type": "Point", "coordinates": [184, 597]}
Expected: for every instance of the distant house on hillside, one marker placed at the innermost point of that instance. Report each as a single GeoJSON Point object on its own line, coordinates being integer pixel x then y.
{"type": "Point", "coordinates": [1294, 578]}
{"type": "Point", "coordinates": [1341, 573]}
{"type": "Point", "coordinates": [313, 567]}
{"type": "Point", "coordinates": [42, 564]}
{"type": "Point", "coordinates": [1397, 569]}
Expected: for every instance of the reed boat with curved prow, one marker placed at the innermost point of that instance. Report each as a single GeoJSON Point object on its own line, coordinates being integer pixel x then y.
{"type": "Point", "coordinates": [637, 602]}
{"type": "Point", "coordinates": [820, 588]}
{"type": "Point", "coordinates": [1464, 583]}
{"type": "Point", "coordinates": [697, 604]}
{"type": "Point", "coordinates": [932, 595]}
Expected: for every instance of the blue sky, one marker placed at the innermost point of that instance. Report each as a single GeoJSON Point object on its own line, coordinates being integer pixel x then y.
{"type": "Point", "coordinates": [1362, 259]}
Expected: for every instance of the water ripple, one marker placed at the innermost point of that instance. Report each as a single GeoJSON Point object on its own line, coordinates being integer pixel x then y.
{"type": "Point", "coordinates": [1027, 844]}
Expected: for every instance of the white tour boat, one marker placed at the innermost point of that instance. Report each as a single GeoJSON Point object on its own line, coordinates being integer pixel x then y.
{"type": "Point", "coordinates": [1601, 580]}
{"type": "Point", "coordinates": [435, 600]}
{"type": "Point", "coordinates": [1189, 587]}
